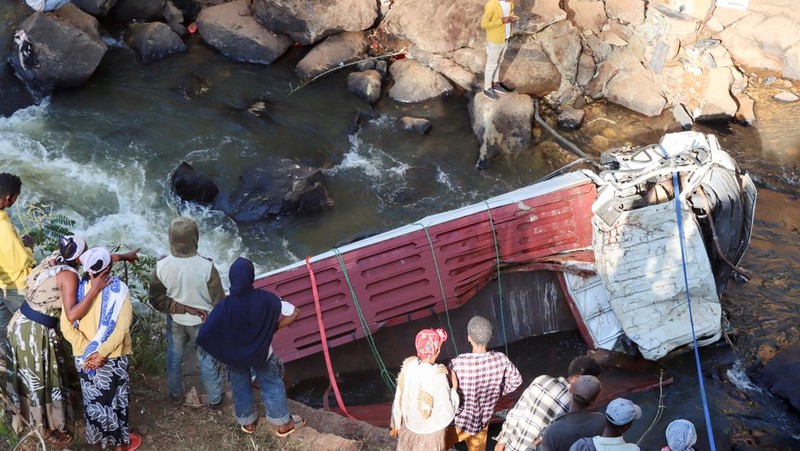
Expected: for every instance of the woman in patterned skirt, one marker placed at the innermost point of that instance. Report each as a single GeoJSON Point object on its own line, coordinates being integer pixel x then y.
{"type": "Point", "coordinates": [101, 343]}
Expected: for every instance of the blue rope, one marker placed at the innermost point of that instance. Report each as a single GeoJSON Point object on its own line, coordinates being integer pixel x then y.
{"type": "Point", "coordinates": [499, 284]}
{"type": "Point", "coordinates": [711, 442]}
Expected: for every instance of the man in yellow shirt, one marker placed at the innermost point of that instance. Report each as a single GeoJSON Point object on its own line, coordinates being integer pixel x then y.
{"type": "Point", "coordinates": [16, 258]}
{"type": "Point", "coordinates": [498, 15]}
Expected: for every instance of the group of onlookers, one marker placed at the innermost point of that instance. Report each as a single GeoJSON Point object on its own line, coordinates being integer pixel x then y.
{"type": "Point", "coordinates": [437, 406]}
{"type": "Point", "coordinates": [43, 305]}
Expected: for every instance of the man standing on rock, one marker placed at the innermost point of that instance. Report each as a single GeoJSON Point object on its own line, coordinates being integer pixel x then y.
{"type": "Point", "coordinates": [187, 285]}
{"type": "Point", "coordinates": [498, 15]}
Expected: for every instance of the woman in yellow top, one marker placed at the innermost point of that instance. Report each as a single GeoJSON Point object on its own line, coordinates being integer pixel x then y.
{"type": "Point", "coordinates": [101, 343]}
{"type": "Point", "coordinates": [498, 16]}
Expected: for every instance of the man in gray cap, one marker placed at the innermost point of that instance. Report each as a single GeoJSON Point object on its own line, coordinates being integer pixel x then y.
{"type": "Point", "coordinates": [579, 421]}
{"type": "Point", "coordinates": [620, 414]}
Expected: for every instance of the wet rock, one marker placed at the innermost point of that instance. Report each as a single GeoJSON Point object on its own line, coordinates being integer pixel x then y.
{"type": "Point", "coordinates": [414, 124]}
{"type": "Point", "coordinates": [360, 119]}
{"type": "Point", "coordinates": [437, 27]}
{"type": "Point", "coordinates": [474, 60]}
{"type": "Point", "coordinates": [586, 15]}
{"type": "Point", "coordinates": [626, 11]}
{"type": "Point", "coordinates": [682, 117]}
{"type": "Point", "coordinates": [310, 21]}
{"type": "Point", "coordinates": [193, 186]}
{"type": "Point", "coordinates": [61, 49]}
{"type": "Point", "coordinates": [780, 375]}
{"type": "Point", "coordinates": [365, 65]}
{"type": "Point", "coordinates": [13, 94]}
{"type": "Point", "coordinates": [97, 8]}
{"type": "Point", "coordinates": [282, 187]}
{"type": "Point", "coordinates": [717, 102]}
{"type": "Point", "coordinates": [366, 85]}
{"type": "Point", "coordinates": [570, 118]}
{"type": "Point", "coordinates": [382, 66]}
{"type": "Point", "coordinates": [502, 126]}
{"type": "Point", "coordinates": [746, 111]}
{"type": "Point", "coordinates": [635, 89]}
{"type": "Point", "coordinates": [153, 41]}
{"type": "Point", "coordinates": [192, 86]}
{"type": "Point", "coordinates": [447, 67]}
{"type": "Point", "coordinates": [337, 50]}
{"type": "Point", "coordinates": [414, 82]}
{"type": "Point", "coordinates": [786, 96]}
{"type": "Point", "coordinates": [538, 15]}
{"type": "Point", "coordinates": [528, 70]}
{"type": "Point", "coordinates": [684, 9]}
{"type": "Point", "coordinates": [172, 14]}
{"type": "Point", "coordinates": [139, 10]}
{"type": "Point", "coordinates": [240, 38]}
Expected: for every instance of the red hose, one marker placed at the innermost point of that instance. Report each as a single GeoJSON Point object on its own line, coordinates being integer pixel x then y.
{"type": "Point", "coordinates": [324, 339]}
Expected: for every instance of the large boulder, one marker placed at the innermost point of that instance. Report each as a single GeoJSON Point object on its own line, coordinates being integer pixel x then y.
{"type": "Point", "coordinates": [536, 15]}
{"type": "Point", "coordinates": [154, 40]}
{"type": "Point", "coordinates": [282, 187]}
{"type": "Point", "coordinates": [336, 50]}
{"type": "Point", "coordinates": [528, 70]}
{"type": "Point", "coordinates": [762, 41]}
{"type": "Point", "coordinates": [562, 45]}
{"type": "Point", "coordinates": [780, 375]}
{"type": "Point", "coordinates": [60, 49]}
{"type": "Point", "coordinates": [366, 85]}
{"type": "Point", "coordinates": [310, 21]}
{"type": "Point", "coordinates": [414, 82]}
{"type": "Point", "coordinates": [586, 15]}
{"type": "Point", "coordinates": [439, 26]}
{"type": "Point", "coordinates": [635, 88]}
{"type": "Point", "coordinates": [502, 126]}
{"type": "Point", "coordinates": [193, 186]}
{"type": "Point", "coordinates": [97, 8]}
{"type": "Point", "coordinates": [453, 71]}
{"type": "Point", "coordinates": [626, 11]}
{"type": "Point", "coordinates": [139, 10]}
{"type": "Point", "coordinates": [717, 102]}
{"type": "Point", "coordinates": [240, 38]}
{"type": "Point", "coordinates": [13, 94]}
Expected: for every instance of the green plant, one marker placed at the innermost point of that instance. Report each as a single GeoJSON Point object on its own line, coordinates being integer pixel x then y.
{"type": "Point", "coordinates": [45, 227]}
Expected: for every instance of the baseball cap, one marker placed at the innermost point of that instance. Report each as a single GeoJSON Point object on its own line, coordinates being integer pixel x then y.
{"type": "Point", "coordinates": [622, 411]}
{"type": "Point", "coordinates": [586, 388]}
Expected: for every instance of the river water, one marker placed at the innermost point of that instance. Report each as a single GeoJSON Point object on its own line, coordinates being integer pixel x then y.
{"type": "Point", "coordinates": [102, 155]}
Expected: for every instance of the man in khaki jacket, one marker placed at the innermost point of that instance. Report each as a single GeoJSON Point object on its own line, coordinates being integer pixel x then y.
{"type": "Point", "coordinates": [498, 15]}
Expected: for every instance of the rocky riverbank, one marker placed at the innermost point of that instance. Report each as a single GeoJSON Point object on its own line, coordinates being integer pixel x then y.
{"type": "Point", "coordinates": [693, 57]}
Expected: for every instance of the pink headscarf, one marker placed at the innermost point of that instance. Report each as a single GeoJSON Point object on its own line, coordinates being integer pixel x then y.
{"type": "Point", "coordinates": [429, 341]}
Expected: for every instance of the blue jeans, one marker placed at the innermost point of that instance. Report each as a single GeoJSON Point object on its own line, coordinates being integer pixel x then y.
{"type": "Point", "coordinates": [270, 380]}
{"type": "Point", "coordinates": [9, 304]}
{"type": "Point", "coordinates": [178, 337]}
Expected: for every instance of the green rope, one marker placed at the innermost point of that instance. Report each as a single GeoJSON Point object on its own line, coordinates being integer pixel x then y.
{"type": "Point", "coordinates": [441, 285]}
{"type": "Point", "coordinates": [387, 377]}
{"type": "Point", "coordinates": [499, 284]}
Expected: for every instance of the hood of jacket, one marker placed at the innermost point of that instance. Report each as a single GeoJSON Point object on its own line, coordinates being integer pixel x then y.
{"type": "Point", "coordinates": [183, 237]}
{"type": "Point", "coordinates": [242, 275]}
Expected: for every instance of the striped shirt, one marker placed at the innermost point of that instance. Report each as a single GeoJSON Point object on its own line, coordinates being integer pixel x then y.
{"type": "Point", "coordinates": [545, 399]}
{"type": "Point", "coordinates": [482, 379]}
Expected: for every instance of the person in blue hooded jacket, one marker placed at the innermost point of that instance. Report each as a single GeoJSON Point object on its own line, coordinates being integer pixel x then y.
{"type": "Point", "coordinates": [238, 332]}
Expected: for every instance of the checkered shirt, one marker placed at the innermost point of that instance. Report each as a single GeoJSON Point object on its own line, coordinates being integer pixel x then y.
{"type": "Point", "coordinates": [482, 379]}
{"type": "Point", "coordinates": [545, 399]}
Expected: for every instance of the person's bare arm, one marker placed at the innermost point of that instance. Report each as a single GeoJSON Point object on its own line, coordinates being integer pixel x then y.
{"type": "Point", "coordinates": [68, 285]}
{"type": "Point", "coordinates": [131, 256]}
{"type": "Point", "coordinates": [284, 321]}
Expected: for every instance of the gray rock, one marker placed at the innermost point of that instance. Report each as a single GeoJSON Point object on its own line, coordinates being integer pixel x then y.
{"type": "Point", "coordinates": [282, 187]}
{"type": "Point", "coordinates": [193, 186]}
{"type": "Point", "coordinates": [65, 49]}
{"type": "Point", "coordinates": [502, 126]}
{"type": "Point", "coordinates": [414, 82]}
{"type": "Point", "coordinates": [97, 8]}
{"type": "Point", "coordinates": [570, 119]}
{"type": "Point", "coordinates": [437, 27]}
{"type": "Point", "coordinates": [530, 71]}
{"type": "Point", "coordinates": [365, 65]}
{"type": "Point", "coordinates": [337, 50]}
{"type": "Point", "coordinates": [139, 10]}
{"type": "Point", "coordinates": [153, 41]}
{"type": "Point", "coordinates": [537, 15]}
{"type": "Point", "coordinates": [786, 96]}
{"type": "Point", "coordinates": [597, 85]}
{"type": "Point", "coordinates": [447, 67]}
{"type": "Point", "coordinates": [171, 13]}
{"type": "Point", "coordinates": [562, 45]}
{"type": "Point", "coordinates": [474, 60]}
{"type": "Point", "coordinates": [717, 102]}
{"type": "Point", "coordinates": [382, 66]}
{"type": "Point", "coordinates": [366, 85]}
{"type": "Point", "coordinates": [586, 68]}
{"type": "Point", "coordinates": [414, 124]}
{"type": "Point", "coordinates": [682, 117]}
{"type": "Point", "coordinates": [310, 21]}
{"type": "Point", "coordinates": [746, 112]}
{"type": "Point", "coordinates": [240, 38]}
{"type": "Point", "coordinates": [635, 89]}
{"type": "Point", "coordinates": [780, 375]}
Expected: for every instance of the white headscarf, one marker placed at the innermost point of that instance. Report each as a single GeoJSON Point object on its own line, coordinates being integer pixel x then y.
{"type": "Point", "coordinates": [95, 260]}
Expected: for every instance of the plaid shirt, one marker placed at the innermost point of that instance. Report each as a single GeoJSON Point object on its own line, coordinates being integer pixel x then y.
{"type": "Point", "coordinates": [482, 379]}
{"type": "Point", "coordinates": [545, 399]}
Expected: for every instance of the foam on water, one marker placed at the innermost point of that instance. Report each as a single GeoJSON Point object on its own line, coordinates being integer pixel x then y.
{"type": "Point", "coordinates": [738, 376]}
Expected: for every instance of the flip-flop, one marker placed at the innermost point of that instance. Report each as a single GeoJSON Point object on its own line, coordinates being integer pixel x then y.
{"type": "Point", "coordinates": [244, 429]}
{"type": "Point", "coordinates": [58, 438]}
{"type": "Point", "coordinates": [136, 442]}
{"type": "Point", "coordinates": [299, 422]}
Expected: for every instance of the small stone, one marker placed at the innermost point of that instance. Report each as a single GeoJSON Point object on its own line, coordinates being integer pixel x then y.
{"type": "Point", "coordinates": [786, 96]}
{"type": "Point", "coordinates": [769, 80]}
{"type": "Point", "coordinates": [414, 124]}
{"type": "Point", "coordinates": [570, 119]}
{"type": "Point", "coordinates": [682, 117]}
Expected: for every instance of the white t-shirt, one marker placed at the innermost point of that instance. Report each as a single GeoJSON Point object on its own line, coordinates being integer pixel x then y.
{"type": "Point", "coordinates": [506, 11]}
{"type": "Point", "coordinates": [286, 310]}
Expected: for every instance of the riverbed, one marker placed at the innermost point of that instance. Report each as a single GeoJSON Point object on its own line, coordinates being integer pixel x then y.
{"type": "Point", "coordinates": [102, 155]}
